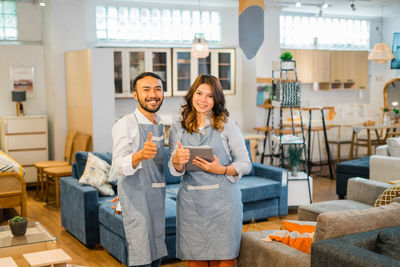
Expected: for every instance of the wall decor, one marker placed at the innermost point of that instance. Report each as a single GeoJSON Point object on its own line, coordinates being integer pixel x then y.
{"type": "Point", "coordinates": [22, 79]}
{"type": "Point", "coordinates": [396, 51]}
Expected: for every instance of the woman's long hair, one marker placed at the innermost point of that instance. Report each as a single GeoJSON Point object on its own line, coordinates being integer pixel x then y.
{"type": "Point", "coordinates": [219, 114]}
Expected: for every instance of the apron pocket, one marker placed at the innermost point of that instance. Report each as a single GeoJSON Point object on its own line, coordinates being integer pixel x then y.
{"type": "Point", "coordinates": [203, 187]}
{"type": "Point", "coordinates": [157, 185]}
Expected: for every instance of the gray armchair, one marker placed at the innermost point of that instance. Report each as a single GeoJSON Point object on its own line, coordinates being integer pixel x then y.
{"type": "Point", "coordinates": [361, 194]}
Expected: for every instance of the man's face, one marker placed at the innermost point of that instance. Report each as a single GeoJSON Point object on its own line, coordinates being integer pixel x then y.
{"type": "Point", "coordinates": [149, 93]}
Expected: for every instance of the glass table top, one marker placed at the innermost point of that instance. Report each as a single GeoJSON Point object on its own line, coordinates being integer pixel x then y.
{"type": "Point", "coordinates": [35, 233]}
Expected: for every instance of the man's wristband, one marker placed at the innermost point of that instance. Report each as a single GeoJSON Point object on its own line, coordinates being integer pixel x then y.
{"type": "Point", "coordinates": [226, 168]}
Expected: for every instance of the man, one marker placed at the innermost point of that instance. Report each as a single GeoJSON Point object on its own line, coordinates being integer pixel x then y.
{"type": "Point", "coordinates": [138, 142]}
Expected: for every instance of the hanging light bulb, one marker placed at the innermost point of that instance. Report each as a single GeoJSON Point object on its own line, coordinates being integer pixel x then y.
{"type": "Point", "coordinates": [298, 3]}
{"type": "Point", "coordinates": [199, 46]}
{"type": "Point", "coordinates": [325, 5]}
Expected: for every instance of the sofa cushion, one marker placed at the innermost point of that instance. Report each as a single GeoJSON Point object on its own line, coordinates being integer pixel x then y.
{"type": "Point", "coordinates": [257, 188]}
{"type": "Point", "coordinates": [114, 222]}
{"type": "Point", "coordinates": [81, 158]}
{"type": "Point", "coordinates": [388, 243]}
{"type": "Point", "coordinates": [335, 224]}
{"type": "Point", "coordinates": [294, 239]}
{"type": "Point", "coordinates": [394, 146]}
{"type": "Point", "coordinates": [169, 178]}
{"type": "Point", "coordinates": [358, 167]}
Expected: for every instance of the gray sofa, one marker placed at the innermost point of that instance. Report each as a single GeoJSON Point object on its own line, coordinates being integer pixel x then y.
{"type": "Point", "coordinates": [257, 253]}
{"type": "Point", "coordinates": [361, 194]}
{"type": "Point", "coordinates": [88, 216]}
{"type": "Point", "coordinates": [371, 248]}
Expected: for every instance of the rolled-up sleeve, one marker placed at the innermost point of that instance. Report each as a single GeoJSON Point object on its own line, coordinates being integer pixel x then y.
{"type": "Point", "coordinates": [125, 141]}
{"type": "Point", "coordinates": [238, 151]}
{"type": "Point", "coordinates": [175, 135]}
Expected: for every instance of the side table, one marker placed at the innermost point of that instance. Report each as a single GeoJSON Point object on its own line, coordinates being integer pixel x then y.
{"type": "Point", "coordinates": [48, 258]}
{"type": "Point", "coordinates": [298, 189]}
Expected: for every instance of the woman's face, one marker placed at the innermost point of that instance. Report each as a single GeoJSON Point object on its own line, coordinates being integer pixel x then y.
{"type": "Point", "coordinates": [203, 100]}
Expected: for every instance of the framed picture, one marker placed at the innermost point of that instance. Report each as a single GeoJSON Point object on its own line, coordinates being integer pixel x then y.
{"type": "Point", "coordinates": [396, 51]}
{"type": "Point", "coordinates": [22, 79]}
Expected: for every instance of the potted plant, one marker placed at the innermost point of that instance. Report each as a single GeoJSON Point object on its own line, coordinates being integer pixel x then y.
{"type": "Point", "coordinates": [18, 225]}
{"type": "Point", "coordinates": [286, 56]}
{"type": "Point", "coordinates": [396, 112]}
{"type": "Point", "coordinates": [294, 158]}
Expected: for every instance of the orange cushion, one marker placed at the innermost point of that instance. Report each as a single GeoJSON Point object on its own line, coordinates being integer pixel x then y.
{"type": "Point", "coordinates": [299, 226]}
{"type": "Point", "coordinates": [296, 240]}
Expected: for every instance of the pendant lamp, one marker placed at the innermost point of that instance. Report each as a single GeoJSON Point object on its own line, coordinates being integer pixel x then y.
{"type": "Point", "coordinates": [199, 46]}
{"type": "Point", "coordinates": [381, 53]}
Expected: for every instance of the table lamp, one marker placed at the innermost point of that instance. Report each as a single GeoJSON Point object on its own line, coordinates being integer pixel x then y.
{"type": "Point", "coordinates": [19, 96]}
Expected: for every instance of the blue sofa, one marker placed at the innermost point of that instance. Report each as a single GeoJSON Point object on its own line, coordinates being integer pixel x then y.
{"type": "Point", "coordinates": [88, 216]}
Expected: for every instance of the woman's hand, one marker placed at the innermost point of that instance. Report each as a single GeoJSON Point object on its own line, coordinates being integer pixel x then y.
{"type": "Point", "coordinates": [212, 167]}
{"type": "Point", "coordinates": [181, 157]}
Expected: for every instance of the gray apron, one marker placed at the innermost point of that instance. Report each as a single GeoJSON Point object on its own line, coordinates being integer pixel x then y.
{"type": "Point", "coordinates": [142, 198]}
{"type": "Point", "coordinates": [209, 208]}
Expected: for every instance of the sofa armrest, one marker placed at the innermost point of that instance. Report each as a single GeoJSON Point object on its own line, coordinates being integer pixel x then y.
{"type": "Point", "coordinates": [79, 210]}
{"type": "Point", "coordinates": [365, 190]}
{"type": "Point", "coordinates": [332, 252]}
{"type": "Point", "coordinates": [384, 168]}
{"type": "Point", "coordinates": [257, 253]}
{"type": "Point", "coordinates": [270, 172]}
{"type": "Point", "coordinates": [396, 199]}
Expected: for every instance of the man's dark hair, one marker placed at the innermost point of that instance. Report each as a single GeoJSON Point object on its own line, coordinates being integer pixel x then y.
{"type": "Point", "coordinates": [145, 74]}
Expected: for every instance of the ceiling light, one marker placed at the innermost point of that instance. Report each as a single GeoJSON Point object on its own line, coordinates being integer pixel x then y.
{"type": "Point", "coordinates": [298, 3]}
{"type": "Point", "coordinates": [325, 5]}
{"type": "Point", "coordinates": [199, 46]}
{"type": "Point", "coordinates": [381, 53]}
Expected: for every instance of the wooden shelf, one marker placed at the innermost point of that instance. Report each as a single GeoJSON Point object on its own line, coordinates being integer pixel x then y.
{"type": "Point", "coordinates": [224, 64]}
{"type": "Point", "coordinates": [159, 64]}
{"type": "Point", "coordinates": [183, 78]}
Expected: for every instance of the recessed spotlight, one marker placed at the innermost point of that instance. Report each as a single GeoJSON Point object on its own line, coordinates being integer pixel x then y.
{"type": "Point", "coordinates": [325, 5]}
{"type": "Point", "coordinates": [298, 3]}
{"type": "Point", "coordinates": [353, 6]}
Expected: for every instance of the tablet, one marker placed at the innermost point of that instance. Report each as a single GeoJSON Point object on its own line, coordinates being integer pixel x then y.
{"type": "Point", "coordinates": [204, 152]}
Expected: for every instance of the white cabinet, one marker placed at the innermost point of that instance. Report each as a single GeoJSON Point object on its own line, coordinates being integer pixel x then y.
{"type": "Point", "coordinates": [130, 62]}
{"type": "Point", "coordinates": [220, 63]}
{"type": "Point", "coordinates": [25, 139]}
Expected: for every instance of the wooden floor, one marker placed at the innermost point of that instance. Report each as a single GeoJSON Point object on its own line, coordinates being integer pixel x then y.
{"type": "Point", "coordinates": [49, 216]}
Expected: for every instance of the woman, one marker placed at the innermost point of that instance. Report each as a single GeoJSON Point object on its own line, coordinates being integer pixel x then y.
{"type": "Point", "coordinates": [209, 206]}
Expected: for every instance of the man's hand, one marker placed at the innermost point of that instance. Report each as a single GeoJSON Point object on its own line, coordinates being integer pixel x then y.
{"type": "Point", "coordinates": [181, 157]}
{"type": "Point", "coordinates": [212, 167]}
{"type": "Point", "coordinates": [149, 149]}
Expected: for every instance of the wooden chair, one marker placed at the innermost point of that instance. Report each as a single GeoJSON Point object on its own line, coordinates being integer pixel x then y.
{"type": "Point", "coordinates": [40, 165]}
{"type": "Point", "coordinates": [338, 141]}
{"type": "Point", "coordinates": [80, 143]}
{"type": "Point", "coordinates": [13, 191]}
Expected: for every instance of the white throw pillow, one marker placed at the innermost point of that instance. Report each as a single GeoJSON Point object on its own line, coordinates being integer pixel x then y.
{"type": "Point", "coordinates": [394, 146]}
{"type": "Point", "coordinates": [96, 174]}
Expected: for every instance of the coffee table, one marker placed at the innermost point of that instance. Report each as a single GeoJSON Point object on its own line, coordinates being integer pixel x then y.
{"type": "Point", "coordinates": [37, 238]}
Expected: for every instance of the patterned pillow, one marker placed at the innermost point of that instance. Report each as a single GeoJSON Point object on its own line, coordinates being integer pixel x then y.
{"type": "Point", "coordinates": [96, 174]}
{"type": "Point", "coordinates": [295, 240]}
{"type": "Point", "coordinates": [8, 164]}
{"type": "Point", "coordinates": [393, 146]}
{"type": "Point", "coordinates": [114, 177]}
{"type": "Point", "coordinates": [388, 195]}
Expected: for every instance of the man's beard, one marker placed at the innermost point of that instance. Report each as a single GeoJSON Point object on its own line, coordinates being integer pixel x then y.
{"type": "Point", "coordinates": [144, 106]}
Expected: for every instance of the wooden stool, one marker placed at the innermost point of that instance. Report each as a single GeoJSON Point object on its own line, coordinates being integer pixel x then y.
{"type": "Point", "coordinates": [54, 174]}
{"type": "Point", "coordinates": [40, 179]}
{"type": "Point", "coordinates": [7, 262]}
{"type": "Point", "coordinates": [50, 258]}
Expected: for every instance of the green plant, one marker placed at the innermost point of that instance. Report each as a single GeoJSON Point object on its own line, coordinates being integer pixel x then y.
{"type": "Point", "coordinates": [286, 56]}
{"type": "Point", "coordinates": [17, 219]}
{"type": "Point", "coordinates": [386, 110]}
{"type": "Point", "coordinates": [396, 110]}
{"type": "Point", "coordinates": [294, 155]}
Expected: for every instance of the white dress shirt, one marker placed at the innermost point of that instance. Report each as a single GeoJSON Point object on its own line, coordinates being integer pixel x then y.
{"type": "Point", "coordinates": [126, 138]}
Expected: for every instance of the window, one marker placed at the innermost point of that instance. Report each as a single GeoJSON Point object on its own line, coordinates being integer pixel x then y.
{"type": "Point", "coordinates": [327, 33]}
{"type": "Point", "coordinates": [8, 20]}
{"type": "Point", "coordinates": [155, 25]}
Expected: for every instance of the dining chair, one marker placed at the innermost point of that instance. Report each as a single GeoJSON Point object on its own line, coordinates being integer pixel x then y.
{"type": "Point", "coordinates": [81, 142]}
{"type": "Point", "coordinates": [40, 165]}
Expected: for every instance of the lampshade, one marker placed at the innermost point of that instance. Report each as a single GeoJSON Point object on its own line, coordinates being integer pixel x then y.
{"type": "Point", "coordinates": [381, 53]}
{"type": "Point", "coordinates": [199, 46]}
{"type": "Point", "coordinates": [18, 96]}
